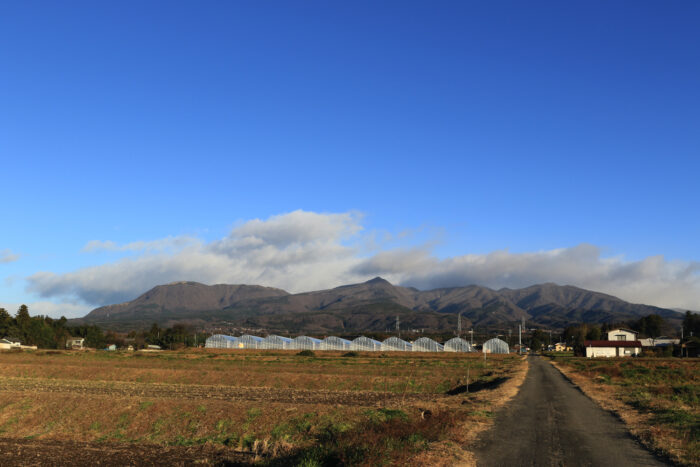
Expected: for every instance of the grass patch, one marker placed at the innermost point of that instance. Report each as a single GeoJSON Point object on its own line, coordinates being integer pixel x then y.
{"type": "Point", "coordinates": [664, 390]}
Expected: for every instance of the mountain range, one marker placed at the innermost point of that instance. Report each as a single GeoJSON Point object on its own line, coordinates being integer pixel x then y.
{"type": "Point", "coordinates": [369, 306]}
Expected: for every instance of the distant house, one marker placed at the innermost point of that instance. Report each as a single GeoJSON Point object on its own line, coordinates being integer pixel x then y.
{"type": "Point", "coordinates": [662, 341]}
{"type": "Point", "coordinates": [75, 343]}
{"type": "Point", "coordinates": [622, 335]}
{"type": "Point", "coordinates": [111, 348]}
{"type": "Point", "coordinates": [562, 347]}
{"type": "Point", "coordinates": [610, 348]}
{"type": "Point", "coordinates": [7, 344]}
{"type": "Point", "coordinates": [690, 349]}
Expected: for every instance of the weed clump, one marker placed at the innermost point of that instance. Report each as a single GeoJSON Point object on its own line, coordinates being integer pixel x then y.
{"type": "Point", "coordinates": [386, 437]}
{"type": "Point", "coordinates": [307, 353]}
{"type": "Point", "coordinates": [352, 353]}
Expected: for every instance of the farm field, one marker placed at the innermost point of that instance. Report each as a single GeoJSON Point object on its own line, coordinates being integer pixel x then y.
{"type": "Point", "coordinates": [242, 407]}
{"type": "Point", "coordinates": [659, 399]}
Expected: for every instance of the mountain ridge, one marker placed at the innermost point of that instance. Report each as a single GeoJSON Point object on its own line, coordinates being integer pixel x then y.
{"type": "Point", "coordinates": [370, 306]}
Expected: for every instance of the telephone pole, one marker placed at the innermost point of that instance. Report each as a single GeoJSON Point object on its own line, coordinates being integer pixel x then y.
{"type": "Point", "coordinates": [398, 327]}
{"type": "Point", "coordinates": [520, 338]}
{"type": "Point", "coordinates": [459, 325]}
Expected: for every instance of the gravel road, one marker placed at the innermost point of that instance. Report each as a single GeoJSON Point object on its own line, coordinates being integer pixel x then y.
{"type": "Point", "coordinates": [551, 423]}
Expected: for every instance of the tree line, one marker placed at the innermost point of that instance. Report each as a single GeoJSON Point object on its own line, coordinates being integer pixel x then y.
{"type": "Point", "coordinates": [46, 332]}
{"type": "Point", "coordinates": [50, 333]}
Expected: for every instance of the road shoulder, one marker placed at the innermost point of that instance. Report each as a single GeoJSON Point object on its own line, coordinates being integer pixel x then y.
{"type": "Point", "coordinates": [640, 425]}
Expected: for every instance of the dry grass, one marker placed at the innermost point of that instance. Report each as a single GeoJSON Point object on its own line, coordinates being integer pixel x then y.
{"type": "Point", "coordinates": [477, 412]}
{"type": "Point", "coordinates": [656, 398]}
{"type": "Point", "coordinates": [277, 369]}
{"type": "Point", "coordinates": [277, 406]}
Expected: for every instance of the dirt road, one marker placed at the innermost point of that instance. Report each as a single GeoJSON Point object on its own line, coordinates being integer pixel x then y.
{"type": "Point", "coordinates": [551, 423]}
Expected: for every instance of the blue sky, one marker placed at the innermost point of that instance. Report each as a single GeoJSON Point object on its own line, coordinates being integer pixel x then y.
{"type": "Point", "coordinates": [431, 142]}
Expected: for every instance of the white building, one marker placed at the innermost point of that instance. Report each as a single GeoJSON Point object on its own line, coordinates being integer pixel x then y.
{"type": "Point", "coordinates": [75, 342]}
{"type": "Point", "coordinates": [622, 335]}
{"type": "Point", "coordinates": [661, 341]}
{"type": "Point", "coordinates": [620, 343]}
{"type": "Point", "coordinates": [612, 348]}
{"type": "Point", "coordinates": [7, 344]}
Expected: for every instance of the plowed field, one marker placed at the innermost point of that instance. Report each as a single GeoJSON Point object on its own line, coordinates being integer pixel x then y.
{"type": "Point", "coordinates": [181, 408]}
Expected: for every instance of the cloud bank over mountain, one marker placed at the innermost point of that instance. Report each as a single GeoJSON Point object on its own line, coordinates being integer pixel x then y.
{"type": "Point", "coordinates": [302, 250]}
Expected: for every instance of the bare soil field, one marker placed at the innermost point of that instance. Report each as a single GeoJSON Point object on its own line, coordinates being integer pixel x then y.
{"type": "Point", "coordinates": [48, 452]}
{"type": "Point", "coordinates": [201, 392]}
{"type": "Point", "coordinates": [243, 407]}
{"type": "Point", "coordinates": [657, 398]}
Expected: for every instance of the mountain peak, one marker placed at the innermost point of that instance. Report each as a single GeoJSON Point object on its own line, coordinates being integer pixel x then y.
{"type": "Point", "coordinates": [378, 281]}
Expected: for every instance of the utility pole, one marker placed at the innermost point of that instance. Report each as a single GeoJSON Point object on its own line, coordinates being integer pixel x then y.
{"type": "Point", "coordinates": [459, 325]}
{"type": "Point", "coordinates": [520, 338]}
{"type": "Point", "coordinates": [471, 337]}
{"type": "Point", "coordinates": [398, 327]}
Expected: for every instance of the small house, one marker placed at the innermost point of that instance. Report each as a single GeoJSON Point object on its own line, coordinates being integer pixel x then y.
{"type": "Point", "coordinates": [612, 348]}
{"type": "Point", "coordinates": [661, 341]}
{"type": "Point", "coordinates": [622, 335]}
{"type": "Point", "coordinates": [75, 343]}
{"type": "Point", "coordinates": [8, 344]}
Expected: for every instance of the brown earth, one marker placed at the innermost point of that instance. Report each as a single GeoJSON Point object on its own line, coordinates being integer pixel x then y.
{"type": "Point", "coordinates": [86, 408]}
{"type": "Point", "coordinates": [226, 393]}
{"type": "Point", "coordinates": [48, 452]}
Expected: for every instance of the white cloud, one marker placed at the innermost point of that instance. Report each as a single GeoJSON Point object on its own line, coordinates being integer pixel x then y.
{"type": "Point", "coordinates": [163, 244]}
{"type": "Point", "coordinates": [7, 256]}
{"type": "Point", "coordinates": [653, 280]}
{"type": "Point", "coordinates": [297, 251]}
{"type": "Point", "coordinates": [302, 251]}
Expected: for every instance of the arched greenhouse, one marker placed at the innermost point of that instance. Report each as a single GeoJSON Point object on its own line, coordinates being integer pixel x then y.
{"type": "Point", "coordinates": [221, 341]}
{"type": "Point", "coordinates": [495, 346]}
{"type": "Point", "coordinates": [246, 341]}
{"type": "Point", "coordinates": [426, 344]}
{"type": "Point", "coordinates": [306, 343]}
{"type": "Point", "coordinates": [394, 344]}
{"type": "Point", "coordinates": [457, 344]}
{"type": "Point", "coordinates": [366, 344]}
{"type": "Point", "coordinates": [335, 343]}
{"type": "Point", "coordinates": [276, 342]}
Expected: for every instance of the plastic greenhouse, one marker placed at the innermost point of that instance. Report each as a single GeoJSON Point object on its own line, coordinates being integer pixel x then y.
{"type": "Point", "coordinates": [495, 346]}
{"type": "Point", "coordinates": [363, 343]}
{"type": "Point", "coordinates": [457, 344]}
{"type": "Point", "coordinates": [276, 342]}
{"type": "Point", "coordinates": [394, 344]}
{"type": "Point", "coordinates": [221, 341]}
{"type": "Point", "coordinates": [246, 341]}
{"type": "Point", "coordinates": [306, 343]}
{"type": "Point", "coordinates": [335, 343]}
{"type": "Point", "coordinates": [426, 344]}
